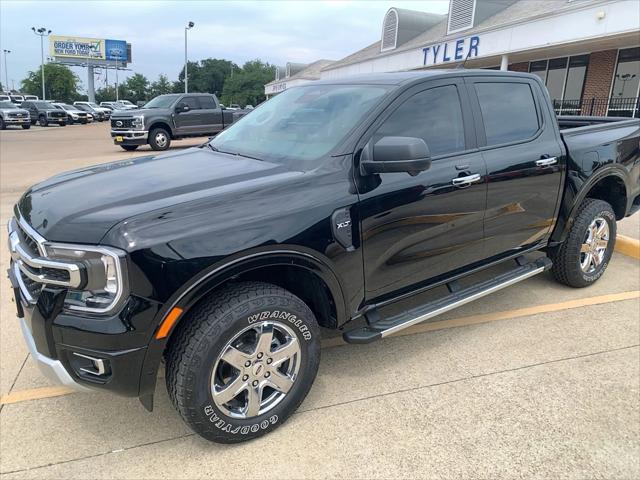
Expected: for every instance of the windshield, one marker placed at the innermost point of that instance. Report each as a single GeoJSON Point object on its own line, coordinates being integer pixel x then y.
{"type": "Point", "coordinates": [7, 105]}
{"type": "Point", "coordinates": [300, 124]}
{"type": "Point", "coordinates": [42, 104]}
{"type": "Point", "coordinates": [162, 101]}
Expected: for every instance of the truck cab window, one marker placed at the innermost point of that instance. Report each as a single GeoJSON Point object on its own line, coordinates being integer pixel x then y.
{"type": "Point", "coordinates": [434, 115]}
{"type": "Point", "coordinates": [191, 102]}
{"type": "Point", "coordinates": [508, 111]}
{"type": "Point", "coordinates": [206, 103]}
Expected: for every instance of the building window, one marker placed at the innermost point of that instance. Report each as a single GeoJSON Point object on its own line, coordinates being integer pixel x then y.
{"type": "Point", "coordinates": [626, 84]}
{"type": "Point", "coordinates": [564, 78]}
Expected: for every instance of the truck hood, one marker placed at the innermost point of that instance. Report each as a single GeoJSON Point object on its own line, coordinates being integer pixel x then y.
{"type": "Point", "coordinates": [82, 205]}
{"type": "Point", "coordinates": [14, 110]}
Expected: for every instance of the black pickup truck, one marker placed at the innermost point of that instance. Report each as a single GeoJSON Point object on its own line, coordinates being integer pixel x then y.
{"type": "Point", "coordinates": [323, 207]}
{"type": "Point", "coordinates": [169, 117]}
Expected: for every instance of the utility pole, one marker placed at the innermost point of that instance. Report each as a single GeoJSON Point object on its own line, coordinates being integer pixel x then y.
{"type": "Point", "coordinates": [186, 78]}
{"type": "Point", "coordinates": [6, 72]}
{"type": "Point", "coordinates": [41, 32]}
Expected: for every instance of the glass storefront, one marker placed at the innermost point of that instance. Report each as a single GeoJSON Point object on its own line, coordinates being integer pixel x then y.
{"type": "Point", "coordinates": [564, 78]}
{"type": "Point", "coordinates": [626, 84]}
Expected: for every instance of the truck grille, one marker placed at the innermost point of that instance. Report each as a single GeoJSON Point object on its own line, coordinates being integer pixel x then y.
{"type": "Point", "coordinates": [17, 115]}
{"type": "Point", "coordinates": [57, 114]}
{"type": "Point", "coordinates": [121, 123]}
{"type": "Point", "coordinates": [32, 268]}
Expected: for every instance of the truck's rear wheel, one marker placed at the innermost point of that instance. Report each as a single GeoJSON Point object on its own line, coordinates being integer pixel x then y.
{"type": "Point", "coordinates": [159, 139]}
{"type": "Point", "coordinates": [243, 361]}
{"type": "Point", "coordinates": [583, 257]}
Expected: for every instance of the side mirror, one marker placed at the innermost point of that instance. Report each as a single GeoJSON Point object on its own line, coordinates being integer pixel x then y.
{"type": "Point", "coordinates": [397, 154]}
{"type": "Point", "coordinates": [182, 107]}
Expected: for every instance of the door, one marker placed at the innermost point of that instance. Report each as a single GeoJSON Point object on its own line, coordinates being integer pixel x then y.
{"type": "Point", "coordinates": [418, 228]}
{"type": "Point", "coordinates": [524, 157]}
{"type": "Point", "coordinates": [188, 123]}
{"type": "Point", "coordinates": [211, 115]}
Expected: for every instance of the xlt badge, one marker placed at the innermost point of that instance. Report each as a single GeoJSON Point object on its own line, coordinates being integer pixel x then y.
{"type": "Point", "coordinates": [342, 228]}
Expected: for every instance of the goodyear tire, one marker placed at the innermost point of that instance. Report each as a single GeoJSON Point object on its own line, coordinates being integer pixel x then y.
{"type": "Point", "coordinates": [3, 126]}
{"type": "Point", "coordinates": [159, 139]}
{"type": "Point", "coordinates": [42, 120]}
{"type": "Point", "coordinates": [242, 361]}
{"type": "Point", "coordinates": [63, 124]}
{"type": "Point", "coordinates": [26, 127]}
{"type": "Point", "coordinates": [583, 257]}
{"type": "Point", "coordinates": [129, 148]}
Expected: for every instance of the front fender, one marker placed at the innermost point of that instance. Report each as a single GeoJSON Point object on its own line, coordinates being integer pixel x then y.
{"type": "Point", "coordinates": [216, 275]}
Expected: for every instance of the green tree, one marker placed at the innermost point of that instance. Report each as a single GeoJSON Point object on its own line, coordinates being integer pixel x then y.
{"type": "Point", "coordinates": [60, 83]}
{"type": "Point", "coordinates": [246, 86]}
{"type": "Point", "coordinates": [136, 88]}
{"type": "Point", "coordinates": [161, 86]}
{"type": "Point", "coordinates": [206, 76]}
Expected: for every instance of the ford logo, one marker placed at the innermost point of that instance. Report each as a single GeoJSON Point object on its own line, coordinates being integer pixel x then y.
{"type": "Point", "coordinates": [119, 123]}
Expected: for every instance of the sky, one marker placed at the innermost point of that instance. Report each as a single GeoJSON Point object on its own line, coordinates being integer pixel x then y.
{"type": "Point", "coordinates": [275, 32]}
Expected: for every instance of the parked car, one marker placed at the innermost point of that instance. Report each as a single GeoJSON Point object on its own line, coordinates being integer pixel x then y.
{"type": "Point", "coordinates": [97, 114]}
{"type": "Point", "coordinates": [11, 114]}
{"type": "Point", "coordinates": [5, 98]}
{"type": "Point", "coordinates": [234, 106]}
{"type": "Point", "coordinates": [331, 201]}
{"type": "Point", "coordinates": [17, 99]}
{"type": "Point", "coordinates": [74, 114]}
{"type": "Point", "coordinates": [127, 105]}
{"type": "Point", "coordinates": [44, 113]}
{"type": "Point", "coordinates": [30, 97]}
{"type": "Point", "coordinates": [96, 107]}
{"type": "Point", "coordinates": [169, 117]}
{"type": "Point", "coordinates": [248, 107]}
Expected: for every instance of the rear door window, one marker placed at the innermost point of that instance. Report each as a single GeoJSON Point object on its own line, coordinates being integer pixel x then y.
{"type": "Point", "coordinates": [508, 111]}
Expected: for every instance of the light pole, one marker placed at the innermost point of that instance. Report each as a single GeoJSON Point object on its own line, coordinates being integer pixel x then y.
{"type": "Point", "coordinates": [117, 60]}
{"type": "Point", "coordinates": [186, 78]}
{"type": "Point", "coordinates": [42, 32]}
{"type": "Point", "coordinates": [6, 74]}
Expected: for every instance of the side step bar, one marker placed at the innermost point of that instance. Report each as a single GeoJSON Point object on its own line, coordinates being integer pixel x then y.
{"type": "Point", "coordinates": [387, 326]}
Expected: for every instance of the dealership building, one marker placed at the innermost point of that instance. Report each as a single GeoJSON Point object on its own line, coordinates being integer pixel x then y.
{"type": "Point", "coordinates": [587, 52]}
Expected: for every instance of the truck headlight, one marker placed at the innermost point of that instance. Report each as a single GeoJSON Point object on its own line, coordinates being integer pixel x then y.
{"type": "Point", "coordinates": [138, 122]}
{"type": "Point", "coordinates": [105, 276]}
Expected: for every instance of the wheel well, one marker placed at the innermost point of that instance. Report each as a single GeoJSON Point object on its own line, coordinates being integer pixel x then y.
{"type": "Point", "coordinates": [161, 125]}
{"type": "Point", "coordinates": [612, 190]}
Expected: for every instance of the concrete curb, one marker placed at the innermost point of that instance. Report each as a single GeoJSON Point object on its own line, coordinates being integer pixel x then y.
{"type": "Point", "coordinates": [628, 246]}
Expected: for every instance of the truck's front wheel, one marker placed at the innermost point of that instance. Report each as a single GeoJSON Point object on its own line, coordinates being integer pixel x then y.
{"type": "Point", "coordinates": [159, 139]}
{"type": "Point", "coordinates": [584, 255]}
{"type": "Point", "coordinates": [243, 361]}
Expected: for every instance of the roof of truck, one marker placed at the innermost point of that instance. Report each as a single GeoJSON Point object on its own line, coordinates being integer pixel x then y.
{"type": "Point", "coordinates": [401, 78]}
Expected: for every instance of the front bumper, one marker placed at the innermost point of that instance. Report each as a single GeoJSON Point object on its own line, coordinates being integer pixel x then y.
{"type": "Point", "coordinates": [130, 137]}
{"type": "Point", "coordinates": [50, 368]}
{"type": "Point", "coordinates": [17, 121]}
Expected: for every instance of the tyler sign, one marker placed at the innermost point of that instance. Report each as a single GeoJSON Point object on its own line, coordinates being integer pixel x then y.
{"type": "Point", "coordinates": [453, 51]}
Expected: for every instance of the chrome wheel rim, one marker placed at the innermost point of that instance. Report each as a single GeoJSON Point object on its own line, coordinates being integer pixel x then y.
{"type": "Point", "coordinates": [594, 246]}
{"type": "Point", "coordinates": [161, 139]}
{"type": "Point", "coordinates": [256, 370]}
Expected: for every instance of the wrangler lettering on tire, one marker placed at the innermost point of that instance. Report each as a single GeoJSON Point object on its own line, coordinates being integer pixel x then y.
{"type": "Point", "coordinates": [236, 370]}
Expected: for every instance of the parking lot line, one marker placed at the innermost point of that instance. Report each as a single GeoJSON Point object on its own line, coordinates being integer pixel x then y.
{"type": "Point", "coordinates": [56, 391]}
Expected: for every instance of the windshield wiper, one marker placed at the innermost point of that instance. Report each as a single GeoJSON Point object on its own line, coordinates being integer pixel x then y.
{"type": "Point", "coordinates": [237, 154]}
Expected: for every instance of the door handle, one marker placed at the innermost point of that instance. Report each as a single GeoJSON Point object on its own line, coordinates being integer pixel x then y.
{"type": "Point", "coordinates": [466, 181]}
{"type": "Point", "coordinates": [546, 162]}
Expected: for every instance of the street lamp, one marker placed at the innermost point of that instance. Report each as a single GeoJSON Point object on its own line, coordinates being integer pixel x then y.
{"type": "Point", "coordinates": [41, 32]}
{"type": "Point", "coordinates": [186, 79]}
{"type": "Point", "coordinates": [6, 74]}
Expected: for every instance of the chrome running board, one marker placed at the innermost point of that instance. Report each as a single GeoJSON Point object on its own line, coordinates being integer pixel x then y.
{"type": "Point", "coordinates": [388, 326]}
